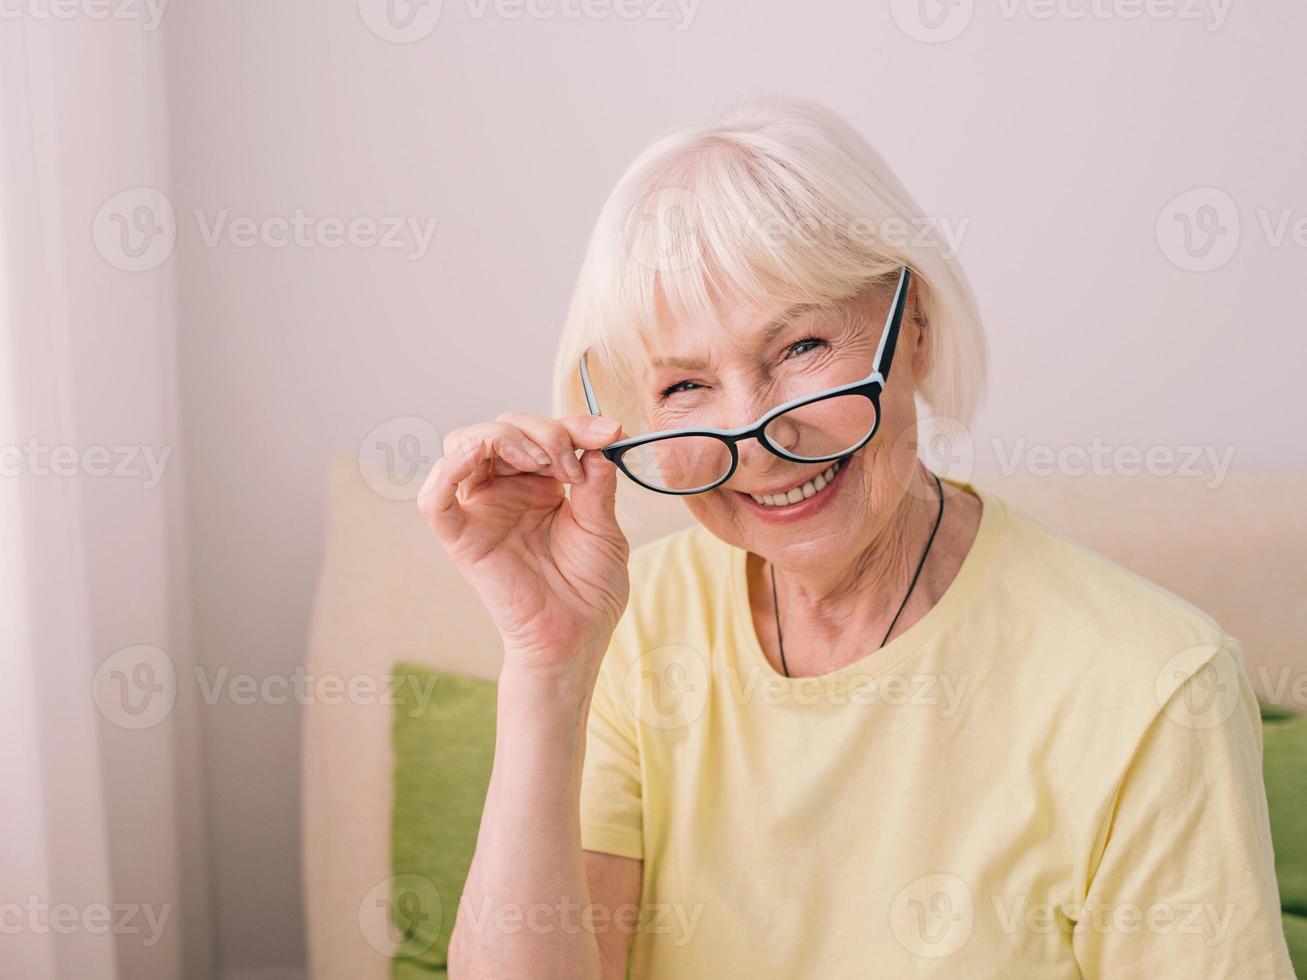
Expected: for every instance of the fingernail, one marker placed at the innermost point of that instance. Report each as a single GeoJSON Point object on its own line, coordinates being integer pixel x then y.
{"type": "Point", "coordinates": [575, 468]}
{"type": "Point", "coordinates": [539, 455]}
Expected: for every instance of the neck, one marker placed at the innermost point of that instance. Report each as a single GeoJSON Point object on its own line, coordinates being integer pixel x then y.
{"type": "Point", "coordinates": [830, 617]}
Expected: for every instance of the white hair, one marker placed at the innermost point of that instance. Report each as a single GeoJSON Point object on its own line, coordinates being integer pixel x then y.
{"type": "Point", "coordinates": [778, 201]}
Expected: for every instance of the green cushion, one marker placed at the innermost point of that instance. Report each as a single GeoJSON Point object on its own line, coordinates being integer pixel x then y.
{"type": "Point", "coordinates": [1285, 767]}
{"type": "Point", "coordinates": [1273, 712]}
{"type": "Point", "coordinates": [442, 768]}
{"type": "Point", "coordinates": [1295, 931]}
{"type": "Point", "coordinates": [413, 970]}
{"type": "Point", "coordinates": [1284, 740]}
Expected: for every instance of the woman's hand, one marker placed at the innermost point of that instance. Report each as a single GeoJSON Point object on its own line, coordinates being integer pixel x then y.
{"type": "Point", "coordinates": [550, 568]}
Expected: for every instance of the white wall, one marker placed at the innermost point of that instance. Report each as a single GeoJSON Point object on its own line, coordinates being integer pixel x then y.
{"type": "Point", "coordinates": [1059, 142]}
{"type": "Point", "coordinates": [94, 552]}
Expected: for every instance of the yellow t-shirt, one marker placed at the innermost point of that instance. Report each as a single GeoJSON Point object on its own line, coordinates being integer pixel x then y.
{"type": "Point", "coordinates": [1055, 773]}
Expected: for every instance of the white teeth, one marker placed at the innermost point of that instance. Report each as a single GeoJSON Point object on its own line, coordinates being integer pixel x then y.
{"type": "Point", "coordinates": [813, 486]}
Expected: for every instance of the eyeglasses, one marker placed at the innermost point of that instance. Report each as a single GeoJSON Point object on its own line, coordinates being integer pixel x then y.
{"type": "Point", "coordinates": [816, 428]}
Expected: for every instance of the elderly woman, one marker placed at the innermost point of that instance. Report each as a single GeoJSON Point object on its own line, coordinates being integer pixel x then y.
{"type": "Point", "coordinates": [860, 721]}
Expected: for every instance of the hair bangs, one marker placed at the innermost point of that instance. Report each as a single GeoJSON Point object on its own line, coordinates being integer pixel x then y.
{"type": "Point", "coordinates": [780, 202]}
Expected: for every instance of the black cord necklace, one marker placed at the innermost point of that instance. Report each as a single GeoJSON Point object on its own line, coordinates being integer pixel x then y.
{"type": "Point", "coordinates": [780, 643]}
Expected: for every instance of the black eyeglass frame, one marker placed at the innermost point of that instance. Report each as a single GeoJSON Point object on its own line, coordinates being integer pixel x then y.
{"type": "Point", "coordinates": [870, 387]}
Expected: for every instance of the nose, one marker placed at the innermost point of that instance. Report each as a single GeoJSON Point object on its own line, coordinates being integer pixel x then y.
{"type": "Point", "coordinates": [784, 432]}
{"type": "Point", "coordinates": [755, 458]}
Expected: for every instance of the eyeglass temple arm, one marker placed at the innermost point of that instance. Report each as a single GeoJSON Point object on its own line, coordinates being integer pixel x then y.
{"type": "Point", "coordinates": [588, 387]}
{"type": "Point", "coordinates": [890, 337]}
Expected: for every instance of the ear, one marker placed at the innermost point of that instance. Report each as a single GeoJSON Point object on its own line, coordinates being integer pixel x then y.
{"type": "Point", "coordinates": [917, 320]}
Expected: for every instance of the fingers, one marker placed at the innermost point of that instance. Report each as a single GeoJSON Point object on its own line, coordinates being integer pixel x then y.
{"type": "Point", "coordinates": [438, 498]}
{"type": "Point", "coordinates": [471, 456]}
{"type": "Point", "coordinates": [561, 438]}
{"type": "Point", "coordinates": [508, 449]}
{"type": "Point", "coordinates": [594, 500]}
{"type": "Point", "coordinates": [515, 444]}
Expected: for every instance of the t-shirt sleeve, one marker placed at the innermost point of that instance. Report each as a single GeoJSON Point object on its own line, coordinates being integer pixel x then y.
{"type": "Point", "coordinates": [611, 797]}
{"type": "Point", "coordinates": [1185, 884]}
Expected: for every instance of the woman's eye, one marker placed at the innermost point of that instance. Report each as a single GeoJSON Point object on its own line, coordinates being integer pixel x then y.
{"type": "Point", "coordinates": [804, 346]}
{"type": "Point", "coordinates": [674, 388]}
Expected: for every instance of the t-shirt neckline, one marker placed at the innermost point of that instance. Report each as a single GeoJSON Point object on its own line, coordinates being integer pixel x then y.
{"type": "Point", "coordinates": [993, 517]}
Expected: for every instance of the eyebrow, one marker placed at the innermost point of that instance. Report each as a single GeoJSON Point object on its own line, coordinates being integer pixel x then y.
{"type": "Point", "coordinates": [767, 335]}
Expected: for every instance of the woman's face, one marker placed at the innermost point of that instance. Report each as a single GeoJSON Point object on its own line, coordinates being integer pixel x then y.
{"type": "Point", "coordinates": [729, 374]}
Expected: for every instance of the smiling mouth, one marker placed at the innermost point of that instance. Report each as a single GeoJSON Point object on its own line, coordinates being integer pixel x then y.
{"type": "Point", "coordinates": [803, 491]}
